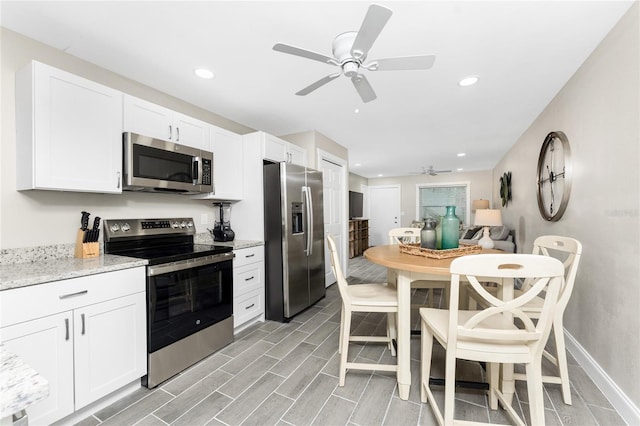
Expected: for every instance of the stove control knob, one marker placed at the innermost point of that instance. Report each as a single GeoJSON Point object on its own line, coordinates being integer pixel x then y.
{"type": "Point", "coordinates": [175, 225]}
{"type": "Point", "coordinates": [115, 227]}
{"type": "Point", "coordinates": [125, 227]}
{"type": "Point", "coordinates": [183, 224]}
{"type": "Point", "coordinates": [190, 224]}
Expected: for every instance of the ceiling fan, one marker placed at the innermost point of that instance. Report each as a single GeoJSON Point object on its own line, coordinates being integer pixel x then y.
{"type": "Point", "coordinates": [350, 51]}
{"type": "Point", "coordinates": [430, 171]}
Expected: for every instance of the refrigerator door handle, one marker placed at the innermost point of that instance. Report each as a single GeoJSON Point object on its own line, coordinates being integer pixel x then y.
{"type": "Point", "coordinates": [306, 191]}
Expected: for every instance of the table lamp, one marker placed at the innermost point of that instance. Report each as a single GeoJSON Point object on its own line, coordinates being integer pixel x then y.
{"type": "Point", "coordinates": [479, 204]}
{"type": "Point", "coordinates": [487, 218]}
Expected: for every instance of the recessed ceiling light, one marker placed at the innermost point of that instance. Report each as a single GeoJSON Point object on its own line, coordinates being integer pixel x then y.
{"type": "Point", "coordinates": [356, 110]}
{"type": "Point", "coordinates": [469, 80]}
{"type": "Point", "coordinates": [459, 169]}
{"type": "Point", "coordinates": [204, 73]}
{"type": "Point", "coordinates": [357, 165]}
{"type": "Point", "coordinates": [461, 154]}
{"type": "Point", "coordinates": [380, 175]}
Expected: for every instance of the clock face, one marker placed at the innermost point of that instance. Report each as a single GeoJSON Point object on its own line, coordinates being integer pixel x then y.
{"type": "Point", "coordinates": [554, 176]}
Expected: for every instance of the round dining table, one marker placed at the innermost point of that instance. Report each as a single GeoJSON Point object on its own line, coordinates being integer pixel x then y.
{"type": "Point", "coordinates": [403, 268]}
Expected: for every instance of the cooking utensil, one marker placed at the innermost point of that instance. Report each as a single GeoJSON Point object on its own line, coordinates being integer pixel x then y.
{"type": "Point", "coordinates": [84, 221]}
{"type": "Point", "coordinates": [95, 231]}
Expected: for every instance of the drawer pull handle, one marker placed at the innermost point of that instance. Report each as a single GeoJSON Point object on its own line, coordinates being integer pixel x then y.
{"type": "Point", "coordinates": [82, 317]}
{"type": "Point", "coordinates": [249, 279]}
{"type": "Point", "coordinates": [66, 326]}
{"type": "Point", "coordinates": [250, 306]}
{"type": "Point", "coordinates": [250, 255]}
{"type": "Point", "coordinates": [80, 293]}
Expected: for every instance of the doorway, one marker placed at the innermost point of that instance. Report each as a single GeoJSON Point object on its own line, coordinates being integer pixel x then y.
{"type": "Point", "coordinates": [384, 212]}
{"type": "Point", "coordinates": [334, 185]}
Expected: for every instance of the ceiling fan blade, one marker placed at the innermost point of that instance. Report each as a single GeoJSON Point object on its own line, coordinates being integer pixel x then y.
{"type": "Point", "coordinates": [363, 87]}
{"type": "Point", "coordinates": [292, 50]}
{"type": "Point", "coordinates": [374, 21]}
{"type": "Point", "coordinates": [421, 62]}
{"type": "Point", "coordinates": [310, 88]}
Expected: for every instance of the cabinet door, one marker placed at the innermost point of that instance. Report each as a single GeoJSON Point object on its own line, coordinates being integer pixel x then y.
{"type": "Point", "coordinates": [190, 131]}
{"type": "Point", "coordinates": [110, 346]}
{"type": "Point", "coordinates": [46, 344]}
{"type": "Point", "coordinates": [228, 173]}
{"type": "Point", "coordinates": [274, 149]}
{"type": "Point", "coordinates": [70, 136]}
{"type": "Point", "coordinates": [148, 119]}
{"type": "Point", "coordinates": [297, 155]}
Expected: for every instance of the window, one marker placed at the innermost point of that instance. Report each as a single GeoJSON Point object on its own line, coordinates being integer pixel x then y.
{"type": "Point", "coordinates": [432, 200]}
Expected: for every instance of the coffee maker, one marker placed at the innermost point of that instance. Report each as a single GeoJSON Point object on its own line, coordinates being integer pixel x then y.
{"type": "Point", "coordinates": [222, 227]}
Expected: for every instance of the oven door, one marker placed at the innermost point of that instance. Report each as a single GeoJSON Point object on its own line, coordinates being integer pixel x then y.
{"type": "Point", "coordinates": [156, 165]}
{"type": "Point", "coordinates": [187, 296]}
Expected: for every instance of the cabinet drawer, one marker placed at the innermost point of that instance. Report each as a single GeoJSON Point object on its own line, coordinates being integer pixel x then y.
{"type": "Point", "coordinates": [247, 278]}
{"type": "Point", "coordinates": [27, 303]}
{"type": "Point", "coordinates": [248, 255]}
{"type": "Point", "coordinates": [248, 306]}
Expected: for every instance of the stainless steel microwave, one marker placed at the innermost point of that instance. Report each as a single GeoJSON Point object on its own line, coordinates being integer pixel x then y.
{"type": "Point", "coordinates": [155, 165]}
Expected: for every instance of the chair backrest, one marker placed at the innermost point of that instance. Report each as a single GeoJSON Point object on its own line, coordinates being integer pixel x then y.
{"type": "Point", "coordinates": [404, 235]}
{"type": "Point", "coordinates": [337, 269]}
{"type": "Point", "coordinates": [545, 273]}
{"type": "Point", "coordinates": [569, 248]}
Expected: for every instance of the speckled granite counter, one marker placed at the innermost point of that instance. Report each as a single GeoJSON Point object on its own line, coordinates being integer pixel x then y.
{"type": "Point", "coordinates": [32, 273]}
{"type": "Point", "coordinates": [20, 385]}
{"type": "Point", "coordinates": [206, 238]}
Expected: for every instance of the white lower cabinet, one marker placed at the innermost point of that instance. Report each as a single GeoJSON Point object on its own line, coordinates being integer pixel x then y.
{"type": "Point", "coordinates": [86, 336]}
{"type": "Point", "coordinates": [248, 286]}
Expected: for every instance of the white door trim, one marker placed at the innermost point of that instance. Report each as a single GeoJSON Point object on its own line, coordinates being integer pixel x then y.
{"type": "Point", "coordinates": [324, 155]}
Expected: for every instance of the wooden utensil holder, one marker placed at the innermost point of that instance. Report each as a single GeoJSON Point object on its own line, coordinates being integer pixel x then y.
{"type": "Point", "coordinates": [86, 250]}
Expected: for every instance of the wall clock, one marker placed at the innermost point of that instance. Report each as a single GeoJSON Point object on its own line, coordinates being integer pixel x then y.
{"type": "Point", "coordinates": [554, 176]}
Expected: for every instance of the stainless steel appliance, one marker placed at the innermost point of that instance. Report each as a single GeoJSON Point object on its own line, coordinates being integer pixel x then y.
{"type": "Point", "coordinates": [154, 165]}
{"type": "Point", "coordinates": [189, 291]}
{"type": "Point", "coordinates": [222, 223]}
{"type": "Point", "coordinates": [294, 239]}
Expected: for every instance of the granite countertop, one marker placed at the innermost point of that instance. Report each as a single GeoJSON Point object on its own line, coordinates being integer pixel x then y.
{"type": "Point", "coordinates": [206, 238]}
{"type": "Point", "coordinates": [20, 385]}
{"type": "Point", "coordinates": [31, 273]}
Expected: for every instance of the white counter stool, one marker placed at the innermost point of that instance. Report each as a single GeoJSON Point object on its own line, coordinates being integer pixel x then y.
{"type": "Point", "coordinates": [490, 335]}
{"type": "Point", "coordinates": [362, 298]}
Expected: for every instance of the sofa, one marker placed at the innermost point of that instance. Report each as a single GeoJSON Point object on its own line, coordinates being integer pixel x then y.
{"type": "Point", "coordinates": [503, 238]}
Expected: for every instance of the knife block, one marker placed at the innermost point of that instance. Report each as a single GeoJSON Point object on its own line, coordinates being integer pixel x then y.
{"type": "Point", "coordinates": [86, 250]}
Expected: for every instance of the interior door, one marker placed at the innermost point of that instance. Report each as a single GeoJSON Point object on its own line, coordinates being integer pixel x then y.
{"type": "Point", "coordinates": [334, 195]}
{"type": "Point", "coordinates": [384, 213]}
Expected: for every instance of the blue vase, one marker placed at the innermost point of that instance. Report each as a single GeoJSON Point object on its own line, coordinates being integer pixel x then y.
{"type": "Point", "coordinates": [450, 229]}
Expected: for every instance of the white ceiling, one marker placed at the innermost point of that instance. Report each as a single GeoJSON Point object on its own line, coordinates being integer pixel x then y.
{"type": "Point", "coordinates": [523, 51]}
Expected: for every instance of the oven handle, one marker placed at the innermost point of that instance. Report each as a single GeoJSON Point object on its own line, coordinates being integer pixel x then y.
{"type": "Point", "coordinates": [188, 264]}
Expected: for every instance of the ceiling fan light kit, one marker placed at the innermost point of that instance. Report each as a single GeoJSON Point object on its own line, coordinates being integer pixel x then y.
{"type": "Point", "coordinates": [350, 50]}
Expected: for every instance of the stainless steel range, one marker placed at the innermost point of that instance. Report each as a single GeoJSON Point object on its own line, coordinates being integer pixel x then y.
{"type": "Point", "coordinates": [189, 291]}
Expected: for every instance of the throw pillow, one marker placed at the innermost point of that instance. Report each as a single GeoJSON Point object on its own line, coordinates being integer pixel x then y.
{"type": "Point", "coordinates": [468, 232]}
{"type": "Point", "coordinates": [499, 233]}
{"type": "Point", "coordinates": [478, 234]}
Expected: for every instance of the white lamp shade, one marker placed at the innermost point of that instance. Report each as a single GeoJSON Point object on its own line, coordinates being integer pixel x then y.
{"type": "Point", "coordinates": [479, 204]}
{"type": "Point", "coordinates": [488, 217]}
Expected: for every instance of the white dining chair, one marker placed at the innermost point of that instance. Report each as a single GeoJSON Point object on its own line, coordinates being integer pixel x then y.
{"type": "Point", "coordinates": [376, 297]}
{"type": "Point", "coordinates": [412, 236]}
{"type": "Point", "coordinates": [568, 250]}
{"type": "Point", "coordinates": [490, 335]}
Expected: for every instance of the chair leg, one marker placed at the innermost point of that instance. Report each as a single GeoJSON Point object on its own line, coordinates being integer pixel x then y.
{"type": "Point", "coordinates": [534, 389]}
{"type": "Point", "coordinates": [341, 329]}
{"type": "Point", "coordinates": [493, 373]}
{"type": "Point", "coordinates": [426, 350]}
{"type": "Point", "coordinates": [346, 331]}
{"type": "Point", "coordinates": [561, 356]}
{"type": "Point", "coordinates": [392, 331]}
{"type": "Point", "coordinates": [449, 386]}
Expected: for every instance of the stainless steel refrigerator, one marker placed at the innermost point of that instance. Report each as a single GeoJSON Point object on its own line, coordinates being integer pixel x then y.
{"type": "Point", "coordinates": [294, 239]}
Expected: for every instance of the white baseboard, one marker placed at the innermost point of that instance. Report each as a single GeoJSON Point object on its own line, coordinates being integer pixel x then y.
{"type": "Point", "coordinates": [618, 399]}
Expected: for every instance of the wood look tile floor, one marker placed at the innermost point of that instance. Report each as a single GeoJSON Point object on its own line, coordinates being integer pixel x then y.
{"type": "Point", "coordinates": [287, 374]}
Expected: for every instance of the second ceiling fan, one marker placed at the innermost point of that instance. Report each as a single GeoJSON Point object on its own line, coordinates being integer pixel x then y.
{"type": "Point", "coordinates": [350, 51]}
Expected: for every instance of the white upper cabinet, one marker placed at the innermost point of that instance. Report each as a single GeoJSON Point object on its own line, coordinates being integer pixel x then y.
{"type": "Point", "coordinates": [279, 150]}
{"type": "Point", "coordinates": [149, 119]}
{"type": "Point", "coordinates": [228, 172]}
{"type": "Point", "coordinates": [69, 132]}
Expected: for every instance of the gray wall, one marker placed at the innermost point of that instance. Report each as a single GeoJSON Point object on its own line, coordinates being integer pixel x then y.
{"type": "Point", "coordinates": [33, 218]}
{"type": "Point", "coordinates": [598, 109]}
